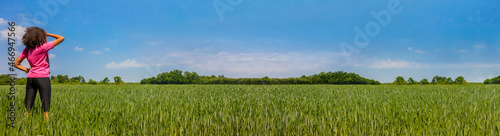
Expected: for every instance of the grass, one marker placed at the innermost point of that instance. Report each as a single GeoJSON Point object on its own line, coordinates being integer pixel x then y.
{"type": "Point", "coordinates": [261, 110]}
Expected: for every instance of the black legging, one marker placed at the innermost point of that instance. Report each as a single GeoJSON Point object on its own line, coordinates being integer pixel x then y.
{"type": "Point", "coordinates": [42, 85]}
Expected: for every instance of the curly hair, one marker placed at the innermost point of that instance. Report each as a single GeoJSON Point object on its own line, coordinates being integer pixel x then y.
{"type": "Point", "coordinates": [34, 37]}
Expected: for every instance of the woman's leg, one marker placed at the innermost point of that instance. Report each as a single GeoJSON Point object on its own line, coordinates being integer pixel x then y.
{"type": "Point", "coordinates": [45, 92]}
{"type": "Point", "coordinates": [31, 90]}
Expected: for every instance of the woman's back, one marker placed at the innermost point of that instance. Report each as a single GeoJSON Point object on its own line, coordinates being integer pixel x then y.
{"type": "Point", "coordinates": [38, 59]}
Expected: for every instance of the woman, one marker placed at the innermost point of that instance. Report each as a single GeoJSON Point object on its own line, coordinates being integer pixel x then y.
{"type": "Point", "coordinates": [36, 51]}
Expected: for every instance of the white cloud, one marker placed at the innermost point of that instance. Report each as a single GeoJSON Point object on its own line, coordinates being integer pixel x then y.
{"type": "Point", "coordinates": [479, 46]}
{"type": "Point", "coordinates": [203, 49]}
{"type": "Point", "coordinates": [482, 65]}
{"type": "Point", "coordinates": [51, 56]}
{"type": "Point", "coordinates": [96, 52]}
{"type": "Point", "coordinates": [420, 51]}
{"type": "Point", "coordinates": [257, 63]}
{"type": "Point", "coordinates": [27, 20]}
{"type": "Point", "coordinates": [125, 64]}
{"type": "Point", "coordinates": [106, 49]}
{"type": "Point", "coordinates": [19, 33]}
{"type": "Point", "coordinates": [394, 64]}
{"type": "Point", "coordinates": [260, 62]}
{"type": "Point", "coordinates": [78, 48]}
{"type": "Point", "coordinates": [153, 43]}
{"type": "Point", "coordinates": [468, 65]}
{"type": "Point", "coordinates": [417, 51]}
{"type": "Point", "coordinates": [388, 63]}
{"type": "Point", "coordinates": [3, 21]}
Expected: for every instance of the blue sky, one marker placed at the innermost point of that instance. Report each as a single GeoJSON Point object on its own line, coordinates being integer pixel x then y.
{"type": "Point", "coordinates": [139, 39]}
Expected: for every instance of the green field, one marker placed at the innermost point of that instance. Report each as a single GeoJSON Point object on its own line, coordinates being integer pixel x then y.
{"type": "Point", "coordinates": [262, 110]}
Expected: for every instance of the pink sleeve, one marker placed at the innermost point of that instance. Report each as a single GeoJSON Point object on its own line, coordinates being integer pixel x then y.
{"type": "Point", "coordinates": [23, 54]}
{"type": "Point", "coordinates": [48, 46]}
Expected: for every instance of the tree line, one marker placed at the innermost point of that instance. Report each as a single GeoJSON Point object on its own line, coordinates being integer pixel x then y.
{"type": "Point", "coordinates": [60, 79]}
{"type": "Point", "coordinates": [435, 80]}
{"type": "Point", "coordinates": [179, 77]}
{"type": "Point", "coordinates": [495, 80]}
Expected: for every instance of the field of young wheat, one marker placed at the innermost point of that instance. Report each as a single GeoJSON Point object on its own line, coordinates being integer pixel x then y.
{"type": "Point", "coordinates": [260, 110]}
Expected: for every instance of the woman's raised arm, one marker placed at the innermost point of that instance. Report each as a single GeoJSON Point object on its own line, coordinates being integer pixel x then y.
{"type": "Point", "coordinates": [58, 38]}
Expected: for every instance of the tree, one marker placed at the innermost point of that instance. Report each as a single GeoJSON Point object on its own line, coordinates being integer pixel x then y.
{"type": "Point", "coordinates": [53, 78]}
{"type": "Point", "coordinates": [4, 79]}
{"type": "Point", "coordinates": [146, 81]}
{"type": "Point", "coordinates": [74, 79]}
{"type": "Point", "coordinates": [449, 80]}
{"type": "Point", "coordinates": [460, 80]}
{"type": "Point", "coordinates": [62, 79]}
{"type": "Point", "coordinates": [21, 81]}
{"type": "Point", "coordinates": [191, 77]}
{"type": "Point", "coordinates": [177, 77]}
{"type": "Point", "coordinates": [81, 79]}
{"type": "Point", "coordinates": [487, 81]}
{"type": "Point", "coordinates": [105, 80]}
{"type": "Point", "coordinates": [441, 80]}
{"type": "Point", "coordinates": [435, 79]}
{"type": "Point", "coordinates": [78, 79]}
{"type": "Point", "coordinates": [400, 80]}
{"type": "Point", "coordinates": [424, 81]}
{"type": "Point", "coordinates": [66, 78]}
{"type": "Point", "coordinates": [118, 80]}
{"type": "Point", "coordinates": [92, 82]}
{"type": "Point", "coordinates": [411, 81]}
{"type": "Point", "coordinates": [495, 80]}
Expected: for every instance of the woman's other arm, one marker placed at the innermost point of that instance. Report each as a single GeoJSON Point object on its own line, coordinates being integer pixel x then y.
{"type": "Point", "coordinates": [18, 65]}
